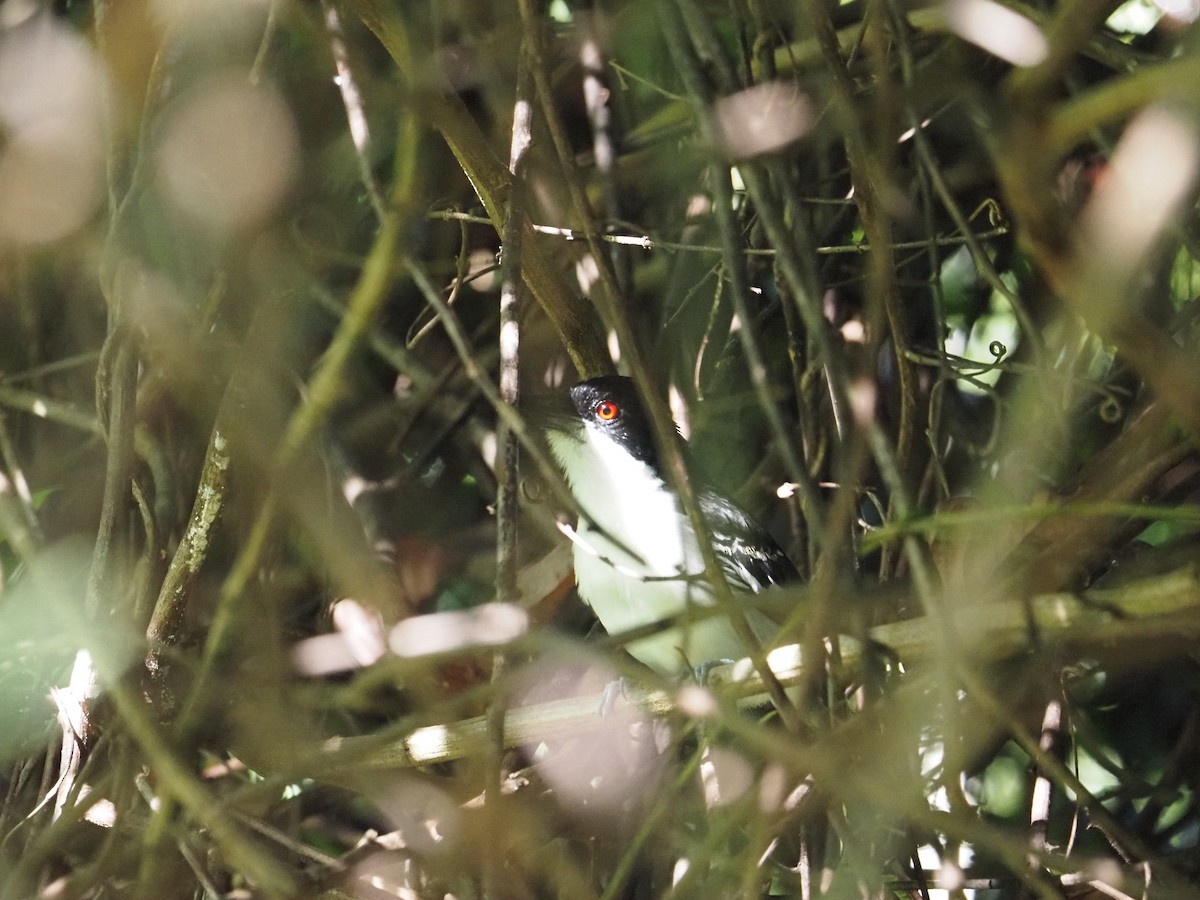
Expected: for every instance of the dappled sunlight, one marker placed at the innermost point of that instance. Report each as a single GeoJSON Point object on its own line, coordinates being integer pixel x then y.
{"type": "Point", "coordinates": [317, 578]}
{"type": "Point", "coordinates": [726, 776]}
{"type": "Point", "coordinates": [608, 764]}
{"type": "Point", "coordinates": [762, 119]}
{"type": "Point", "coordinates": [228, 154]}
{"type": "Point", "coordinates": [1150, 176]}
{"type": "Point", "coordinates": [1000, 30]}
{"type": "Point", "coordinates": [487, 625]}
{"type": "Point", "coordinates": [53, 105]}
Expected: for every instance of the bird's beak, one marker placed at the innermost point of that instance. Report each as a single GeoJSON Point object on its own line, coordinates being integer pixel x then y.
{"type": "Point", "coordinates": [551, 412]}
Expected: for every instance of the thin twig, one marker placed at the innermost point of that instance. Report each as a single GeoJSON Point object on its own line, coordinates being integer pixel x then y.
{"type": "Point", "coordinates": [870, 178]}
{"type": "Point", "coordinates": [492, 181]}
{"type": "Point", "coordinates": [604, 151]}
{"type": "Point", "coordinates": [645, 242]}
{"type": "Point", "coordinates": [507, 463]}
{"type": "Point", "coordinates": [323, 392]}
{"type": "Point", "coordinates": [193, 547]}
{"type": "Point", "coordinates": [61, 411]}
{"type": "Point", "coordinates": [1165, 602]}
{"type": "Point", "coordinates": [608, 300]}
{"type": "Point", "coordinates": [735, 272]}
{"type": "Point", "coordinates": [356, 116]}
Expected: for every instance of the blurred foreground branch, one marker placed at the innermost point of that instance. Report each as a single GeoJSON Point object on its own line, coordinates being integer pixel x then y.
{"type": "Point", "coordinates": [1164, 609]}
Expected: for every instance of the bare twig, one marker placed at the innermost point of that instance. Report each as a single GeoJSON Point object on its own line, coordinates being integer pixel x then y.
{"type": "Point", "coordinates": [356, 116]}
{"type": "Point", "coordinates": [1159, 605]}
{"type": "Point", "coordinates": [492, 181]}
{"type": "Point", "coordinates": [324, 390]}
{"type": "Point", "coordinates": [192, 550]}
{"type": "Point", "coordinates": [507, 463]}
{"type": "Point", "coordinates": [1043, 787]}
{"type": "Point", "coordinates": [645, 242]}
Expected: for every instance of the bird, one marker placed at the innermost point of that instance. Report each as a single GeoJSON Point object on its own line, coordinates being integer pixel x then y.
{"type": "Point", "coordinates": [637, 557]}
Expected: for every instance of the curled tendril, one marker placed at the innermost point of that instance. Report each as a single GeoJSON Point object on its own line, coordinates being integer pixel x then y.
{"type": "Point", "coordinates": [995, 215]}
{"type": "Point", "coordinates": [1111, 409]}
{"type": "Point", "coordinates": [534, 489]}
{"type": "Point", "coordinates": [998, 350]}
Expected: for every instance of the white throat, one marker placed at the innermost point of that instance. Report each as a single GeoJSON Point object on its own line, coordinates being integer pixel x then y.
{"type": "Point", "coordinates": [624, 498]}
{"type": "Point", "coordinates": [648, 573]}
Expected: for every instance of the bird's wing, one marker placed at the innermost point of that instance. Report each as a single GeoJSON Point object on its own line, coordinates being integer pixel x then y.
{"type": "Point", "coordinates": [751, 559]}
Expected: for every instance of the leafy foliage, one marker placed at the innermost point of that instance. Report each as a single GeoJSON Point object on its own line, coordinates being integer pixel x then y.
{"type": "Point", "coordinates": [920, 282]}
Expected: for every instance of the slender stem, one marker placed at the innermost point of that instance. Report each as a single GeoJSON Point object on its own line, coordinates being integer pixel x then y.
{"type": "Point", "coordinates": [491, 179]}
{"type": "Point", "coordinates": [323, 392]}
{"type": "Point", "coordinates": [507, 467]}
{"type": "Point", "coordinates": [739, 288]}
{"type": "Point", "coordinates": [870, 177]}
{"type": "Point", "coordinates": [356, 117]}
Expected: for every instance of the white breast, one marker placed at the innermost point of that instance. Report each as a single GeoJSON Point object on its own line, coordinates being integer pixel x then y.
{"type": "Point", "coordinates": [636, 560]}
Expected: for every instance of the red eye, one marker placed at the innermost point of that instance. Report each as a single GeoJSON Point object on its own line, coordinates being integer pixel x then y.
{"type": "Point", "coordinates": [607, 411]}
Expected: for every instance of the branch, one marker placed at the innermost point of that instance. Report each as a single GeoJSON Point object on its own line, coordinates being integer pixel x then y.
{"type": "Point", "coordinates": [492, 181]}
{"type": "Point", "coordinates": [323, 392]}
{"type": "Point", "coordinates": [1167, 604]}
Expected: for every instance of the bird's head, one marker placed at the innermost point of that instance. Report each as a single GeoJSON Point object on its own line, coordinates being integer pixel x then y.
{"type": "Point", "coordinates": [609, 407]}
{"type": "Point", "coordinates": [604, 427]}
